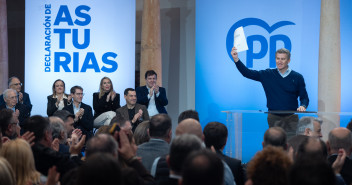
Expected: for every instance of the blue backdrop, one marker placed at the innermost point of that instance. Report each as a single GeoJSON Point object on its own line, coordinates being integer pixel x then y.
{"type": "Point", "coordinates": [268, 26]}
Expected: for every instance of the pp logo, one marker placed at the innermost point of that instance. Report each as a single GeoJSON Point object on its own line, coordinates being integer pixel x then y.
{"type": "Point", "coordinates": [261, 39]}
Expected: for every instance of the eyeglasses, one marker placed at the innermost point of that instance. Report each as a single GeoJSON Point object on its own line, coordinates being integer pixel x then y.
{"type": "Point", "coordinates": [79, 94]}
{"type": "Point", "coordinates": [18, 84]}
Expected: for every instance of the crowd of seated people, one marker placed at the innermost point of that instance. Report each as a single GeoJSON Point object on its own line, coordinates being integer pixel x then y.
{"type": "Point", "coordinates": [131, 148]}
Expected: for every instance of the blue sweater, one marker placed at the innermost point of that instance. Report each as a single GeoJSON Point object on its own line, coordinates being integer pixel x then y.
{"type": "Point", "coordinates": [281, 93]}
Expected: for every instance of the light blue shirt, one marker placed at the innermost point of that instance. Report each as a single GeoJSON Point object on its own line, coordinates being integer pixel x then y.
{"type": "Point", "coordinates": [288, 71]}
{"type": "Point", "coordinates": [76, 109]}
{"type": "Point", "coordinates": [13, 108]}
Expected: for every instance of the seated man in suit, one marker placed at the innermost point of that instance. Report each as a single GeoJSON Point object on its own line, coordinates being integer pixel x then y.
{"type": "Point", "coordinates": [83, 112]}
{"type": "Point", "coordinates": [21, 111]}
{"type": "Point", "coordinates": [132, 111]}
{"type": "Point", "coordinates": [160, 133]}
{"type": "Point", "coordinates": [215, 134]}
{"type": "Point", "coordinates": [151, 95]}
{"type": "Point", "coordinates": [22, 98]}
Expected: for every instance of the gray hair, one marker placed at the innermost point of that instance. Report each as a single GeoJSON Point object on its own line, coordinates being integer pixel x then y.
{"type": "Point", "coordinates": [6, 93]}
{"type": "Point", "coordinates": [306, 122]}
{"type": "Point", "coordinates": [57, 128]}
{"type": "Point", "coordinates": [103, 143]}
{"type": "Point", "coordinates": [180, 147]}
{"type": "Point", "coordinates": [284, 51]}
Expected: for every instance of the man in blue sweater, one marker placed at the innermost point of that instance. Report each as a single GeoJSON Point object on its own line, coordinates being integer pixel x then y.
{"type": "Point", "coordinates": [282, 87]}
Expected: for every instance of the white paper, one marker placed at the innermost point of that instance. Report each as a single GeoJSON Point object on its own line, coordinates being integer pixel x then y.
{"type": "Point", "coordinates": [240, 41]}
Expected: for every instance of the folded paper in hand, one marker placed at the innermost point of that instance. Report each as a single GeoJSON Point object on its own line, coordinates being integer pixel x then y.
{"type": "Point", "coordinates": [240, 41]}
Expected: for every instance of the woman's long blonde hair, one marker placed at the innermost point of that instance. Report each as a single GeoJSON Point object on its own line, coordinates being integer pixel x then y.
{"type": "Point", "coordinates": [6, 173]}
{"type": "Point", "coordinates": [19, 154]}
{"type": "Point", "coordinates": [101, 90]}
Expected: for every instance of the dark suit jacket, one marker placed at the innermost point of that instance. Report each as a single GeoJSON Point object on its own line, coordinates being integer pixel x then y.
{"type": "Point", "coordinates": [346, 171]}
{"type": "Point", "coordinates": [51, 107]}
{"type": "Point", "coordinates": [26, 101]}
{"type": "Point", "coordinates": [160, 101]}
{"type": "Point", "coordinates": [100, 105]}
{"type": "Point", "coordinates": [149, 151]}
{"type": "Point", "coordinates": [123, 112]}
{"type": "Point", "coordinates": [235, 166]}
{"type": "Point", "coordinates": [24, 112]}
{"type": "Point", "coordinates": [45, 158]}
{"type": "Point", "coordinates": [86, 122]}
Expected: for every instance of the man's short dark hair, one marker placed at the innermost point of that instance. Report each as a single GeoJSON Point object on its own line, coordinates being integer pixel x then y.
{"type": "Point", "coordinates": [126, 91]}
{"type": "Point", "coordinates": [188, 114]}
{"type": "Point", "coordinates": [10, 80]}
{"type": "Point", "coordinates": [74, 88]}
{"type": "Point", "coordinates": [311, 170]}
{"type": "Point", "coordinates": [63, 115]}
{"type": "Point", "coordinates": [38, 125]}
{"type": "Point", "coordinates": [180, 148]}
{"type": "Point", "coordinates": [119, 120]}
{"type": "Point", "coordinates": [215, 134]}
{"type": "Point", "coordinates": [203, 167]}
{"type": "Point", "coordinates": [5, 119]}
{"type": "Point", "coordinates": [313, 147]}
{"type": "Point", "coordinates": [103, 143]}
{"type": "Point", "coordinates": [150, 73]}
{"type": "Point", "coordinates": [275, 136]}
{"type": "Point", "coordinates": [160, 125]}
{"type": "Point", "coordinates": [100, 168]}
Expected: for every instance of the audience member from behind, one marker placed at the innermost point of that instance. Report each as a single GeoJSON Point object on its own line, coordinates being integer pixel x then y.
{"type": "Point", "coordinates": [269, 167]}
{"type": "Point", "coordinates": [19, 154]}
{"type": "Point", "coordinates": [100, 168]}
{"type": "Point", "coordinates": [312, 146]}
{"type": "Point", "coordinates": [7, 175]}
{"type": "Point", "coordinates": [190, 126]}
{"type": "Point", "coordinates": [132, 111]}
{"type": "Point", "coordinates": [59, 99]}
{"type": "Point", "coordinates": [188, 114]}
{"type": "Point", "coordinates": [22, 97]}
{"type": "Point", "coordinates": [59, 133]}
{"type": "Point", "coordinates": [105, 103]}
{"type": "Point", "coordinates": [83, 112]}
{"type": "Point", "coordinates": [293, 144]}
{"type": "Point", "coordinates": [11, 102]}
{"type": "Point", "coordinates": [311, 170]}
{"type": "Point", "coordinates": [203, 168]}
{"type": "Point", "coordinates": [160, 133]}
{"type": "Point", "coordinates": [275, 136]}
{"type": "Point", "coordinates": [132, 169]}
{"type": "Point", "coordinates": [44, 156]}
{"type": "Point", "coordinates": [180, 148]}
{"type": "Point", "coordinates": [215, 134]}
{"type": "Point", "coordinates": [68, 120]}
{"type": "Point", "coordinates": [341, 138]}
{"type": "Point", "coordinates": [151, 95]}
{"type": "Point", "coordinates": [309, 126]}
{"type": "Point", "coordinates": [123, 123]}
{"type": "Point", "coordinates": [140, 135]}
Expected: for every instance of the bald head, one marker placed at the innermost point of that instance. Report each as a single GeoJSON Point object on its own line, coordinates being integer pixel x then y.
{"type": "Point", "coordinates": [189, 126]}
{"type": "Point", "coordinates": [340, 138]}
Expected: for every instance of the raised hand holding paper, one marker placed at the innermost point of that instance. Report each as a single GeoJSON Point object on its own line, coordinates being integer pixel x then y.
{"type": "Point", "coordinates": [239, 40]}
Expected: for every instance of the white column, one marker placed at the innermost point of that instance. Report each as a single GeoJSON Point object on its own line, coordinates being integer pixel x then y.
{"type": "Point", "coordinates": [329, 85]}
